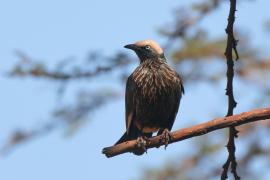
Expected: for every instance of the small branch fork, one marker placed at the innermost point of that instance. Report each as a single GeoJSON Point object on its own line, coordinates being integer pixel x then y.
{"type": "Point", "coordinates": [197, 130]}
{"type": "Point", "coordinates": [231, 47]}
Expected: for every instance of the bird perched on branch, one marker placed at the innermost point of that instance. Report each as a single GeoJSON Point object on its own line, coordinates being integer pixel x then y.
{"type": "Point", "coordinates": [153, 93]}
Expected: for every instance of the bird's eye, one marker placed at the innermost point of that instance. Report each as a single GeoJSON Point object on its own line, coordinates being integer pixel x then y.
{"type": "Point", "coordinates": [147, 47]}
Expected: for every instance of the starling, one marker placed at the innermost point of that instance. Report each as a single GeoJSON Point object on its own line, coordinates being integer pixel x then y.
{"type": "Point", "coordinates": [153, 93]}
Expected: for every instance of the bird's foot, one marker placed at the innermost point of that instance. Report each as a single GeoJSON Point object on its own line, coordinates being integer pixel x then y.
{"type": "Point", "coordinates": [166, 137]}
{"type": "Point", "coordinates": [141, 142]}
{"type": "Point", "coordinates": [141, 145]}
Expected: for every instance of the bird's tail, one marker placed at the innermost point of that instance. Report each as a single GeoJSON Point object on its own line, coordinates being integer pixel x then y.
{"type": "Point", "coordinates": [122, 139]}
{"type": "Point", "coordinates": [133, 134]}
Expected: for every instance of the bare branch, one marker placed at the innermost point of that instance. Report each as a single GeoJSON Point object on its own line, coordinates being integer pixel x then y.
{"type": "Point", "coordinates": [231, 46]}
{"type": "Point", "coordinates": [29, 67]}
{"type": "Point", "coordinates": [197, 130]}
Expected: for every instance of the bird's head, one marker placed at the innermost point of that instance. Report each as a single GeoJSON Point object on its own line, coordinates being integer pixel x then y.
{"type": "Point", "coordinates": [147, 50]}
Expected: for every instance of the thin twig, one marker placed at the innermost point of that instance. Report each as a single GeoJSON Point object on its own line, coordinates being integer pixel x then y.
{"type": "Point", "coordinates": [197, 130]}
{"type": "Point", "coordinates": [231, 46]}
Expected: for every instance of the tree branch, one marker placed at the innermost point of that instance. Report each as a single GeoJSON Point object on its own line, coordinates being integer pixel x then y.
{"type": "Point", "coordinates": [231, 46]}
{"type": "Point", "coordinates": [197, 130]}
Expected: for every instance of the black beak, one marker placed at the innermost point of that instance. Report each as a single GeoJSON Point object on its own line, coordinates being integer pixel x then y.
{"type": "Point", "coordinates": [131, 46]}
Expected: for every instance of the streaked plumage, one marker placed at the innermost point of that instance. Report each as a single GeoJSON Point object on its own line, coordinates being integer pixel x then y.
{"type": "Point", "coordinates": [153, 93]}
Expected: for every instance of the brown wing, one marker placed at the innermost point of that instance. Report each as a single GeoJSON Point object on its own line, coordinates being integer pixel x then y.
{"type": "Point", "coordinates": [177, 95]}
{"type": "Point", "coordinates": [129, 101]}
{"type": "Point", "coordinates": [176, 103]}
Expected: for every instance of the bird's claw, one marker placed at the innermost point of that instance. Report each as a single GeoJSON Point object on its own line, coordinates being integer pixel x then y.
{"type": "Point", "coordinates": [166, 137]}
{"type": "Point", "coordinates": [141, 143]}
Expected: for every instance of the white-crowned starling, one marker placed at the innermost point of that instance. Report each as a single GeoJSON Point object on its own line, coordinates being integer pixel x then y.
{"type": "Point", "coordinates": [153, 93]}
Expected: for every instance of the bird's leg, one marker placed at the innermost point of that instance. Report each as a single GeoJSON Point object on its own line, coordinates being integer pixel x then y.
{"type": "Point", "coordinates": [141, 145]}
{"type": "Point", "coordinates": [166, 137]}
{"type": "Point", "coordinates": [141, 142]}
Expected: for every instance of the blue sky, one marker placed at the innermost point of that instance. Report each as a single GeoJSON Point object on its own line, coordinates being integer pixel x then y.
{"type": "Point", "coordinates": [54, 30]}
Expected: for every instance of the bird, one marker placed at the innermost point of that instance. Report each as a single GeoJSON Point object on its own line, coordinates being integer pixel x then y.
{"type": "Point", "coordinates": [152, 96]}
